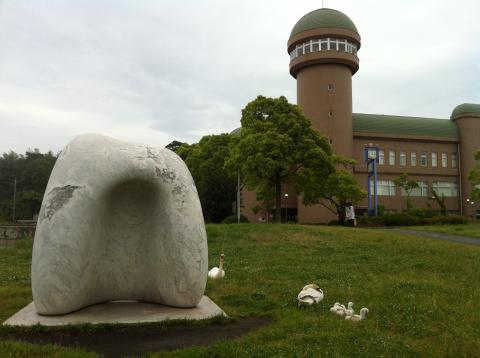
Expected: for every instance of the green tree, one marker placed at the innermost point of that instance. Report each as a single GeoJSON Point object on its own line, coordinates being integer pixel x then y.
{"type": "Point", "coordinates": [474, 179]}
{"type": "Point", "coordinates": [403, 182]}
{"type": "Point", "coordinates": [174, 145]}
{"type": "Point", "coordinates": [440, 200]}
{"type": "Point", "coordinates": [338, 189]}
{"type": "Point", "coordinates": [277, 145]}
{"type": "Point", "coordinates": [31, 172]}
{"type": "Point", "coordinates": [216, 187]}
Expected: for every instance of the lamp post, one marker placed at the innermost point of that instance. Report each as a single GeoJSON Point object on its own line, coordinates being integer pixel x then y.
{"type": "Point", "coordinates": [472, 203]}
{"type": "Point", "coordinates": [286, 197]}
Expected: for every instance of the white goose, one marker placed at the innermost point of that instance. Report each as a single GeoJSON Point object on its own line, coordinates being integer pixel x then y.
{"type": "Point", "coordinates": [349, 311]}
{"type": "Point", "coordinates": [218, 272]}
{"type": "Point", "coordinates": [356, 317]}
{"type": "Point", "coordinates": [337, 308]}
{"type": "Point", "coordinates": [309, 295]}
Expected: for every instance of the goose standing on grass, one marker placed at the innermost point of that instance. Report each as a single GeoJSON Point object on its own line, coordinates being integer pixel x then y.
{"type": "Point", "coordinates": [218, 272]}
{"type": "Point", "coordinates": [356, 317]}
{"type": "Point", "coordinates": [309, 295]}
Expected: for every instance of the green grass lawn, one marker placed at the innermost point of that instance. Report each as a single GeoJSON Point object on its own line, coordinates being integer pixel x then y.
{"type": "Point", "coordinates": [470, 230]}
{"type": "Point", "coordinates": [423, 295]}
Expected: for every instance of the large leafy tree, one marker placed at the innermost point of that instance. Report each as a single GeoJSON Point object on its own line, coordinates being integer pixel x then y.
{"type": "Point", "coordinates": [474, 179]}
{"type": "Point", "coordinates": [338, 189]}
{"type": "Point", "coordinates": [277, 145]}
{"type": "Point", "coordinates": [31, 173]}
{"type": "Point", "coordinates": [407, 184]}
{"type": "Point", "coordinates": [216, 187]}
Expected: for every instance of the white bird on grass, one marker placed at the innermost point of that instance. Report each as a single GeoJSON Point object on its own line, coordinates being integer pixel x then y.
{"type": "Point", "coordinates": [337, 308]}
{"type": "Point", "coordinates": [309, 295]}
{"type": "Point", "coordinates": [218, 272]}
{"type": "Point", "coordinates": [356, 317]}
{"type": "Point", "coordinates": [349, 311]}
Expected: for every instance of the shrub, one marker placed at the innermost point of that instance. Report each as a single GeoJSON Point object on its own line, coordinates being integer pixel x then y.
{"type": "Point", "coordinates": [450, 220]}
{"type": "Point", "coordinates": [232, 219]}
{"type": "Point", "coordinates": [373, 221]}
{"type": "Point", "coordinates": [399, 219]}
{"type": "Point", "coordinates": [422, 212]}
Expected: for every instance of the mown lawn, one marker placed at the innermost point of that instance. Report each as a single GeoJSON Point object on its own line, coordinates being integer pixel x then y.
{"type": "Point", "coordinates": [471, 230]}
{"type": "Point", "coordinates": [422, 294]}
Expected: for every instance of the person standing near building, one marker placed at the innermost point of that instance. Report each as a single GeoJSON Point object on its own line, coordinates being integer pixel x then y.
{"type": "Point", "coordinates": [350, 215]}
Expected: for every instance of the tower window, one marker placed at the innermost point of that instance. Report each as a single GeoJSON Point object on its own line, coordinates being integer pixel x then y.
{"type": "Point", "coordinates": [330, 87]}
{"type": "Point", "coordinates": [323, 44]}
{"type": "Point", "coordinates": [330, 113]}
{"type": "Point", "coordinates": [434, 159]}
{"type": "Point", "coordinates": [330, 141]}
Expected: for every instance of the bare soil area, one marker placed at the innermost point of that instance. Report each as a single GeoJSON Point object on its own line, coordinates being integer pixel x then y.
{"type": "Point", "coordinates": [143, 339]}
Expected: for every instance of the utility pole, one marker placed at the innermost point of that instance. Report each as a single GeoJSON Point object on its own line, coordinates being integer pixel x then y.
{"type": "Point", "coordinates": [14, 197]}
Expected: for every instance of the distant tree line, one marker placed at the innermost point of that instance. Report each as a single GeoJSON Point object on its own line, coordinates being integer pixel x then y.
{"type": "Point", "coordinates": [24, 176]}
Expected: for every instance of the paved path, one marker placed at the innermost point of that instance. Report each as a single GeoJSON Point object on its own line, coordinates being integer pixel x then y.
{"type": "Point", "coordinates": [442, 236]}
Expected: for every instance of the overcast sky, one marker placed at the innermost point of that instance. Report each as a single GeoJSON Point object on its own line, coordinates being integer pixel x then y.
{"type": "Point", "coordinates": [155, 71]}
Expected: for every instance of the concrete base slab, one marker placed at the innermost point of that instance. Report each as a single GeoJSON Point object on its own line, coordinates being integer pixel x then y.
{"type": "Point", "coordinates": [117, 312]}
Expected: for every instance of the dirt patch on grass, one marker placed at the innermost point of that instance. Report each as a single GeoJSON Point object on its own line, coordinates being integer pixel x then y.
{"type": "Point", "coordinates": [143, 339]}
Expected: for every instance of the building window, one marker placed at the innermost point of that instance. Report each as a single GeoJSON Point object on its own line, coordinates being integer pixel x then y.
{"type": "Point", "coordinates": [422, 190]}
{"type": "Point", "coordinates": [403, 159]}
{"type": "Point", "coordinates": [324, 44]}
{"type": "Point", "coordinates": [330, 113]}
{"type": "Point", "coordinates": [447, 189]}
{"type": "Point", "coordinates": [332, 44]}
{"type": "Point", "coordinates": [391, 157]}
{"type": "Point", "coordinates": [330, 87]}
{"type": "Point", "coordinates": [454, 160]}
{"type": "Point", "coordinates": [381, 157]}
{"type": "Point", "coordinates": [413, 159]}
{"type": "Point", "coordinates": [315, 45]}
{"type": "Point", "coordinates": [384, 187]}
{"type": "Point", "coordinates": [434, 159]}
{"type": "Point", "coordinates": [444, 160]}
{"type": "Point", "coordinates": [423, 159]}
{"type": "Point", "coordinates": [307, 47]}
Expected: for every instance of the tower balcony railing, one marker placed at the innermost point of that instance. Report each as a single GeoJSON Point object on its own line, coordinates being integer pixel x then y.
{"type": "Point", "coordinates": [323, 44]}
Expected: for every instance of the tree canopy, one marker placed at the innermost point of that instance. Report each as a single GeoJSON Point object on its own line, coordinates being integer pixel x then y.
{"type": "Point", "coordinates": [403, 182]}
{"type": "Point", "coordinates": [216, 187]}
{"type": "Point", "coordinates": [278, 145]}
{"type": "Point", "coordinates": [31, 172]}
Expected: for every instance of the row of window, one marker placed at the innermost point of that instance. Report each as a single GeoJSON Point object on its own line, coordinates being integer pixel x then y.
{"type": "Point", "coordinates": [387, 188]}
{"type": "Point", "coordinates": [326, 44]}
{"type": "Point", "coordinates": [392, 157]}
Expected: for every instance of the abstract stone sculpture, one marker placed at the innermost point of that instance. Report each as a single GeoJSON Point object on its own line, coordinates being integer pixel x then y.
{"type": "Point", "coordinates": [119, 221]}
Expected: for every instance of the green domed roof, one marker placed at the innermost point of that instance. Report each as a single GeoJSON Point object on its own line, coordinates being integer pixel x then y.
{"type": "Point", "coordinates": [466, 108]}
{"type": "Point", "coordinates": [327, 18]}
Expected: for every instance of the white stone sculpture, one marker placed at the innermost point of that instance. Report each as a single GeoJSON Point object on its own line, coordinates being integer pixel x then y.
{"type": "Point", "coordinates": [119, 221]}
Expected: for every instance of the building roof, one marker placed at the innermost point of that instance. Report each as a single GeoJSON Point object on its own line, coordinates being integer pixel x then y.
{"type": "Point", "coordinates": [404, 126]}
{"type": "Point", "coordinates": [323, 18]}
{"type": "Point", "coordinates": [466, 108]}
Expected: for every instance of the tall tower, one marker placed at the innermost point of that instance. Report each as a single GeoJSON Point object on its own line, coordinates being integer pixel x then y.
{"type": "Point", "coordinates": [467, 118]}
{"type": "Point", "coordinates": [323, 49]}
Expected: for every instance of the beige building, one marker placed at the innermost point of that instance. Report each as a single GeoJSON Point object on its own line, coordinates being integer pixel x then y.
{"type": "Point", "coordinates": [437, 153]}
